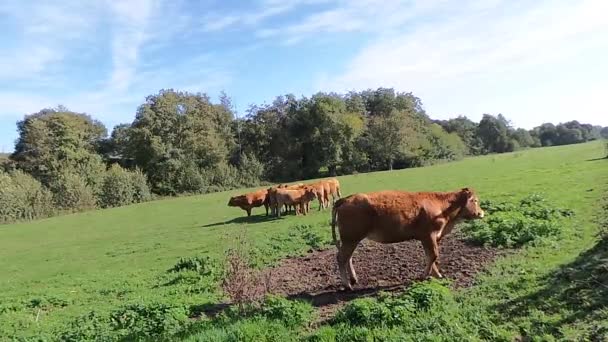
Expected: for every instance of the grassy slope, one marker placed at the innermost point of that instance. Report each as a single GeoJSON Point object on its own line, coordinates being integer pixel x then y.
{"type": "Point", "coordinates": [105, 258]}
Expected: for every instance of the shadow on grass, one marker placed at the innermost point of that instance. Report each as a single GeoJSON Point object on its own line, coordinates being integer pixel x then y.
{"type": "Point", "coordinates": [597, 159]}
{"type": "Point", "coordinates": [243, 219]}
{"type": "Point", "coordinates": [576, 292]}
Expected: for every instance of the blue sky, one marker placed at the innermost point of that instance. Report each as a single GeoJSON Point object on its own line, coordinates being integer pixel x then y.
{"type": "Point", "coordinates": [534, 61]}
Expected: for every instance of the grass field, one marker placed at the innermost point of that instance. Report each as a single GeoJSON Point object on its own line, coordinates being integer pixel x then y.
{"type": "Point", "coordinates": [54, 270]}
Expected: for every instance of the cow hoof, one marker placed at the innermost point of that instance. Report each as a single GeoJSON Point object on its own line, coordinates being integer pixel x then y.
{"type": "Point", "coordinates": [354, 281]}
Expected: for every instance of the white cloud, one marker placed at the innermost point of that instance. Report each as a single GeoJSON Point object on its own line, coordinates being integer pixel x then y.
{"type": "Point", "coordinates": [131, 20]}
{"type": "Point", "coordinates": [352, 16]}
{"type": "Point", "coordinates": [265, 9]}
{"type": "Point", "coordinates": [44, 31]}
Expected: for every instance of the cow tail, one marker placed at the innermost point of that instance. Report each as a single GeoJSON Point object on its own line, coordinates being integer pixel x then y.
{"type": "Point", "coordinates": [334, 221]}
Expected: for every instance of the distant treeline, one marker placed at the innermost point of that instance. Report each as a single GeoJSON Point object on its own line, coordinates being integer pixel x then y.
{"type": "Point", "coordinates": [181, 142]}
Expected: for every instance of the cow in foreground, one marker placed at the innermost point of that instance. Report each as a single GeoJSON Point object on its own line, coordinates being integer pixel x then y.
{"type": "Point", "coordinates": [250, 200]}
{"type": "Point", "coordinates": [396, 216]}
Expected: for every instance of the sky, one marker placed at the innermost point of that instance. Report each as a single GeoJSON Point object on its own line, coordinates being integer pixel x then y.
{"type": "Point", "coordinates": [533, 61]}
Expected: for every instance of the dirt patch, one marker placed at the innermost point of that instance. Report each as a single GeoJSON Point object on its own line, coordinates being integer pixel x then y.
{"type": "Point", "coordinates": [379, 267]}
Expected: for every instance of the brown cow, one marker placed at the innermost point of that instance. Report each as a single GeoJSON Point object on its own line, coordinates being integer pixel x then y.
{"type": "Point", "coordinates": [334, 189]}
{"type": "Point", "coordinates": [272, 200]}
{"type": "Point", "coordinates": [322, 195]}
{"type": "Point", "coordinates": [250, 200]}
{"type": "Point", "coordinates": [396, 216]}
{"type": "Point", "coordinates": [289, 208]}
{"type": "Point", "coordinates": [295, 197]}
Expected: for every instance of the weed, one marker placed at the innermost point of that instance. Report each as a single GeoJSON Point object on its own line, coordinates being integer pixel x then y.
{"type": "Point", "coordinates": [530, 220]}
{"type": "Point", "coordinates": [242, 283]}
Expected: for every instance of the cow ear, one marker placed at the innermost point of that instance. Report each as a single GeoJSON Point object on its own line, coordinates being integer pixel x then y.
{"type": "Point", "coordinates": [467, 191]}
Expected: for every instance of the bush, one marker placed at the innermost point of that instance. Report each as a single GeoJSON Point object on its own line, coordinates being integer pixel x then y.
{"type": "Point", "coordinates": [427, 311]}
{"type": "Point", "coordinates": [23, 198]}
{"type": "Point", "coordinates": [89, 327]}
{"type": "Point", "coordinates": [190, 179]}
{"type": "Point", "coordinates": [389, 310]}
{"type": "Point", "coordinates": [135, 321]}
{"type": "Point", "coordinates": [251, 170]}
{"type": "Point", "coordinates": [117, 188]}
{"type": "Point", "coordinates": [293, 313]}
{"type": "Point", "coordinates": [204, 266]}
{"type": "Point", "coordinates": [141, 190]}
{"type": "Point", "coordinates": [122, 187]}
{"type": "Point", "coordinates": [257, 329]}
{"type": "Point", "coordinates": [531, 220]}
{"type": "Point", "coordinates": [71, 192]}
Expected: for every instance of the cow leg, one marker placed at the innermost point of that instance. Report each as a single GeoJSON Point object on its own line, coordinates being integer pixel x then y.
{"type": "Point", "coordinates": [431, 249]}
{"type": "Point", "coordinates": [266, 206]}
{"type": "Point", "coordinates": [248, 211]}
{"type": "Point", "coordinates": [279, 206]}
{"type": "Point", "coordinates": [351, 270]}
{"type": "Point", "coordinates": [344, 258]}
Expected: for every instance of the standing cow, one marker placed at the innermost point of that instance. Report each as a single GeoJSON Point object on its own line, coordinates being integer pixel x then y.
{"type": "Point", "coordinates": [396, 216]}
{"type": "Point", "coordinates": [334, 189]}
{"type": "Point", "coordinates": [298, 198]}
{"type": "Point", "coordinates": [250, 200]}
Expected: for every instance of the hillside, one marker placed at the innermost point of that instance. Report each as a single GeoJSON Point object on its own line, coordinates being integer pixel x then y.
{"type": "Point", "coordinates": [58, 269]}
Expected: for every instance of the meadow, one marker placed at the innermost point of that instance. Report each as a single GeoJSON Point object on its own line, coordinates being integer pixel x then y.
{"type": "Point", "coordinates": [56, 272]}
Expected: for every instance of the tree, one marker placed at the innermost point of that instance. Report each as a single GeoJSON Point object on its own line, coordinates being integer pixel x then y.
{"type": "Point", "coordinates": [55, 140]}
{"type": "Point", "coordinates": [493, 132]}
{"type": "Point", "coordinates": [467, 131]}
{"type": "Point", "coordinates": [385, 138]}
{"type": "Point", "coordinates": [604, 132]}
{"type": "Point", "coordinates": [173, 127]}
{"type": "Point", "coordinates": [523, 138]}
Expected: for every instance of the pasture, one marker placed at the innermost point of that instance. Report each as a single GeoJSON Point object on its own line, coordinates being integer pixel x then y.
{"type": "Point", "coordinates": [55, 270]}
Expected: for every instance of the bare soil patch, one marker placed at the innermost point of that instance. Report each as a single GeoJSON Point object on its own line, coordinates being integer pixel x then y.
{"type": "Point", "coordinates": [380, 267]}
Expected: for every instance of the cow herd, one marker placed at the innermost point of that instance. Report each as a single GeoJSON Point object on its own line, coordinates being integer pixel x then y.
{"type": "Point", "coordinates": [295, 197]}
{"type": "Point", "coordinates": [389, 216]}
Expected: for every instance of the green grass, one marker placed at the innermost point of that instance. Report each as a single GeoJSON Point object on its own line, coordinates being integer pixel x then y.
{"type": "Point", "coordinates": [54, 270]}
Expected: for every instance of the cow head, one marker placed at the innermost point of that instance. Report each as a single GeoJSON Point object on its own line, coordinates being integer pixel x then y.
{"type": "Point", "coordinates": [235, 201]}
{"type": "Point", "coordinates": [310, 193]}
{"type": "Point", "coordinates": [471, 209]}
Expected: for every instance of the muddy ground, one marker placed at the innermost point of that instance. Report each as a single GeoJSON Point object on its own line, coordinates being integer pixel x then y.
{"type": "Point", "coordinates": [379, 267]}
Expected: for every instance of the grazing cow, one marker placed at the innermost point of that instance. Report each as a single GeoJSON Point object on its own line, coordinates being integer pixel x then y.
{"type": "Point", "coordinates": [250, 200]}
{"type": "Point", "coordinates": [295, 197]}
{"type": "Point", "coordinates": [396, 216]}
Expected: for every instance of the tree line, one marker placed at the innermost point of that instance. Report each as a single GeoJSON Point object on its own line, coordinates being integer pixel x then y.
{"type": "Point", "coordinates": [181, 142]}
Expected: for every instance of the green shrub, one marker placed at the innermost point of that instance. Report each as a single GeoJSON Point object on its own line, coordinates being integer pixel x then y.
{"type": "Point", "coordinates": [389, 310]}
{"type": "Point", "coordinates": [293, 313]}
{"type": "Point", "coordinates": [530, 220]}
{"type": "Point", "coordinates": [136, 321]}
{"type": "Point", "coordinates": [23, 198]}
{"type": "Point", "coordinates": [117, 188]}
{"type": "Point", "coordinates": [251, 170]}
{"type": "Point", "coordinates": [427, 311]}
{"type": "Point", "coordinates": [141, 189]}
{"type": "Point", "coordinates": [90, 327]}
{"type": "Point", "coordinates": [122, 187]}
{"type": "Point", "coordinates": [311, 238]}
{"type": "Point", "coordinates": [202, 265]}
{"type": "Point", "coordinates": [190, 179]}
{"type": "Point", "coordinates": [71, 192]}
{"type": "Point", "coordinates": [256, 329]}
